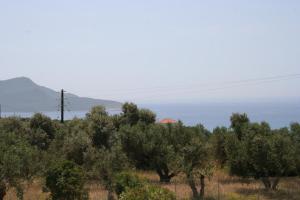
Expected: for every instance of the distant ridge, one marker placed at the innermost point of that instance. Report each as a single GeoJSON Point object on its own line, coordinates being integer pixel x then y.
{"type": "Point", "coordinates": [21, 94]}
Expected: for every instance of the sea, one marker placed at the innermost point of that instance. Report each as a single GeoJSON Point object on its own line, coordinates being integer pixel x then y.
{"type": "Point", "coordinates": [211, 115]}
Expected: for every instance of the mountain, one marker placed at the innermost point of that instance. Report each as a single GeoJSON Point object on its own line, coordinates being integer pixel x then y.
{"type": "Point", "coordinates": [23, 95]}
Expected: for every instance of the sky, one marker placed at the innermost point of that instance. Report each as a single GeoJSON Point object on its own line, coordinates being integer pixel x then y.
{"type": "Point", "coordinates": [155, 51]}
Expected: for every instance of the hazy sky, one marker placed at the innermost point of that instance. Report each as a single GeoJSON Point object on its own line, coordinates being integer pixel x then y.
{"type": "Point", "coordinates": [154, 50]}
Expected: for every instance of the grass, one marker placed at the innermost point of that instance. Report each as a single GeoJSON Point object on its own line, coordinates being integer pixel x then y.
{"type": "Point", "coordinates": [220, 185]}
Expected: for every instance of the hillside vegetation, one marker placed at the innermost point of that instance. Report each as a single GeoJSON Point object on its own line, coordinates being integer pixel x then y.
{"type": "Point", "coordinates": [130, 156]}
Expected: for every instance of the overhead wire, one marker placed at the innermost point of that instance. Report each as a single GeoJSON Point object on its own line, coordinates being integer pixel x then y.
{"type": "Point", "coordinates": [191, 86]}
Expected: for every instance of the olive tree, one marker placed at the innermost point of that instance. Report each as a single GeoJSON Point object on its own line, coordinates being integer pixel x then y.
{"type": "Point", "coordinates": [196, 161]}
{"type": "Point", "coordinates": [218, 140]}
{"type": "Point", "coordinates": [238, 122]}
{"type": "Point", "coordinates": [107, 164]}
{"type": "Point", "coordinates": [295, 135]}
{"type": "Point", "coordinates": [17, 163]}
{"type": "Point", "coordinates": [42, 131]}
{"type": "Point", "coordinates": [132, 115]}
{"type": "Point", "coordinates": [262, 154]}
{"type": "Point", "coordinates": [65, 181]}
{"type": "Point", "coordinates": [76, 147]}
{"type": "Point", "coordinates": [100, 127]}
{"type": "Point", "coordinates": [154, 146]}
{"type": "Point", "coordinates": [40, 121]}
{"type": "Point", "coordinates": [147, 116]}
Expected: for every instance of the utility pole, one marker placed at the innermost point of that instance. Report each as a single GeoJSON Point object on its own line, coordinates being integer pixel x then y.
{"type": "Point", "coordinates": [0, 111]}
{"type": "Point", "coordinates": [62, 106]}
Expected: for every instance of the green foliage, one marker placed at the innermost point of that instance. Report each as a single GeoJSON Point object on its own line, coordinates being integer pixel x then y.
{"type": "Point", "coordinates": [65, 181]}
{"type": "Point", "coordinates": [40, 121]}
{"type": "Point", "coordinates": [130, 114]}
{"type": "Point", "coordinates": [117, 121]}
{"type": "Point", "coordinates": [237, 156]}
{"type": "Point", "coordinates": [218, 140]}
{"type": "Point", "coordinates": [42, 131]}
{"type": "Point", "coordinates": [146, 116]}
{"type": "Point", "coordinates": [40, 139]}
{"type": "Point", "coordinates": [234, 196]}
{"type": "Point", "coordinates": [101, 145]}
{"type": "Point", "coordinates": [127, 180]}
{"type": "Point", "coordinates": [76, 146]}
{"type": "Point", "coordinates": [196, 163]}
{"type": "Point", "coordinates": [261, 153]}
{"type": "Point", "coordinates": [12, 124]}
{"type": "Point", "coordinates": [17, 162]}
{"type": "Point", "coordinates": [154, 146]}
{"type": "Point", "coordinates": [201, 130]}
{"type": "Point", "coordinates": [161, 147]}
{"type": "Point", "coordinates": [262, 156]}
{"type": "Point", "coordinates": [95, 112]}
{"type": "Point", "coordinates": [100, 127]}
{"type": "Point", "coordinates": [148, 192]}
{"type": "Point", "coordinates": [295, 135]}
{"type": "Point", "coordinates": [238, 121]}
{"type": "Point", "coordinates": [107, 163]}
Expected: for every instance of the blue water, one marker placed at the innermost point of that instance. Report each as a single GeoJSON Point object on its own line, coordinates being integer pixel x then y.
{"type": "Point", "coordinates": [218, 114]}
{"type": "Point", "coordinates": [210, 114]}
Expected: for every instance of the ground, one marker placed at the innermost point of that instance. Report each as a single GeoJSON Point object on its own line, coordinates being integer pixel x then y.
{"type": "Point", "coordinates": [221, 186]}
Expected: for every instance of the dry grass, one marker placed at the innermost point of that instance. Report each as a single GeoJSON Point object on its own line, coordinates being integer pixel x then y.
{"type": "Point", "coordinates": [224, 187]}
{"type": "Point", "coordinates": [230, 188]}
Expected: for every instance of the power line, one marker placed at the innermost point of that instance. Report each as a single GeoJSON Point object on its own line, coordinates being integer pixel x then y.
{"type": "Point", "coordinates": [233, 86]}
{"type": "Point", "coordinates": [184, 87]}
{"type": "Point", "coordinates": [214, 89]}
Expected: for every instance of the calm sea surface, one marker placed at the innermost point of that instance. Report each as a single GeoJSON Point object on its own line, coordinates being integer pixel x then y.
{"type": "Point", "coordinates": [209, 114]}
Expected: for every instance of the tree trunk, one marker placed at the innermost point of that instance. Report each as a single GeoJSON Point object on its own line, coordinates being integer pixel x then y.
{"type": "Point", "coordinates": [269, 184]}
{"type": "Point", "coordinates": [275, 183]}
{"type": "Point", "coordinates": [110, 195]}
{"type": "Point", "coordinates": [2, 191]}
{"type": "Point", "coordinates": [164, 176]}
{"type": "Point", "coordinates": [196, 195]}
{"type": "Point", "coordinates": [202, 186]}
{"type": "Point", "coordinates": [164, 179]}
{"type": "Point", "coordinates": [266, 182]}
{"type": "Point", "coordinates": [20, 192]}
{"type": "Point", "coordinates": [193, 187]}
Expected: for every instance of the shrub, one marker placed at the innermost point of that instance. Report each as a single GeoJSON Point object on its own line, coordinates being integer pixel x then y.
{"type": "Point", "coordinates": [127, 180]}
{"type": "Point", "coordinates": [148, 192]}
{"type": "Point", "coordinates": [40, 121]}
{"type": "Point", "coordinates": [234, 196]}
{"type": "Point", "coordinates": [66, 181]}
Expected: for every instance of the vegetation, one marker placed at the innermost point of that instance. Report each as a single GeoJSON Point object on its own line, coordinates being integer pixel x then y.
{"type": "Point", "coordinates": [110, 149]}
{"type": "Point", "coordinates": [126, 181]}
{"type": "Point", "coordinates": [65, 181]}
{"type": "Point", "coordinates": [16, 158]}
{"type": "Point", "coordinates": [254, 150]}
{"type": "Point", "coordinates": [147, 192]}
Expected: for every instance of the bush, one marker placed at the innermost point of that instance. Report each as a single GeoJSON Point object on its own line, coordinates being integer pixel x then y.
{"type": "Point", "coordinates": [234, 196]}
{"type": "Point", "coordinates": [66, 181]}
{"type": "Point", "coordinates": [40, 121]}
{"type": "Point", "coordinates": [127, 180]}
{"type": "Point", "coordinates": [148, 192]}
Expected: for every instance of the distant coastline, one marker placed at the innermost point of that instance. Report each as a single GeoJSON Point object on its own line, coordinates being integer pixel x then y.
{"type": "Point", "coordinates": [277, 114]}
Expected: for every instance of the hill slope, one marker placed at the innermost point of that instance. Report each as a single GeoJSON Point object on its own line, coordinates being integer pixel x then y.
{"type": "Point", "coordinates": [23, 95]}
